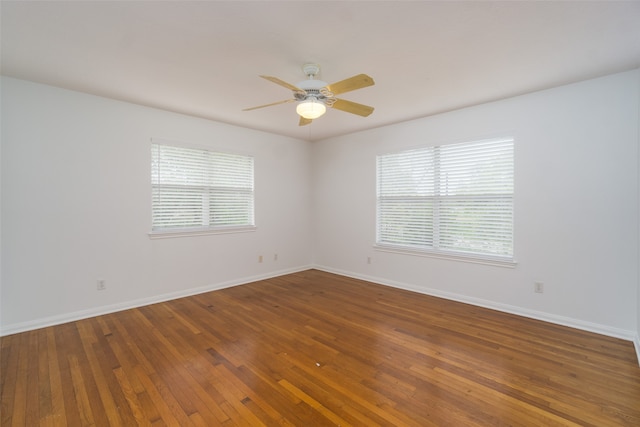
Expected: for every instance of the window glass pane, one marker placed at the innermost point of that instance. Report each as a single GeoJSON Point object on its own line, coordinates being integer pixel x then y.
{"type": "Point", "coordinates": [478, 168]}
{"type": "Point", "coordinates": [479, 225]}
{"type": "Point", "coordinates": [230, 208]}
{"type": "Point", "coordinates": [200, 189]}
{"type": "Point", "coordinates": [177, 207]}
{"type": "Point", "coordinates": [410, 173]}
{"type": "Point", "coordinates": [453, 198]}
{"type": "Point", "coordinates": [406, 222]}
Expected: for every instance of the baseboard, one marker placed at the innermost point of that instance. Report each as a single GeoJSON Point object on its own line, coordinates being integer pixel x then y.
{"type": "Point", "coordinates": [533, 314]}
{"type": "Point", "coordinates": [98, 311]}
{"type": "Point", "coordinates": [636, 344]}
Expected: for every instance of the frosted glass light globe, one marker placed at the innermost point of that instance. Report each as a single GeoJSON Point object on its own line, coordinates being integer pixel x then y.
{"type": "Point", "coordinates": [311, 109]}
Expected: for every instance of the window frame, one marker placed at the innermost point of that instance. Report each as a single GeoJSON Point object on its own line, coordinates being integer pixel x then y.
{"type": "Point", "coordinates": [207, 192]}
{"type": "Point", "coordinates": [433, 250]}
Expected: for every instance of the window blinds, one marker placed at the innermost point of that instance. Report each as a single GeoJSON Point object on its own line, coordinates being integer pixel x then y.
{"type": "Point", "coordinates": [453, 198]}
{"type": "Point", "coordinates": [196, 189]}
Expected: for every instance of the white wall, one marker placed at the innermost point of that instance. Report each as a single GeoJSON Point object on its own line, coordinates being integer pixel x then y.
{"type": "Point", "coordinates": [576, 209]}
{"type": "Point", "coordinates": [76, 207]}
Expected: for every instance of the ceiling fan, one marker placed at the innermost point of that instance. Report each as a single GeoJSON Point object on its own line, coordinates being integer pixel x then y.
{"type": "Point", "coordinates": [314, 96]}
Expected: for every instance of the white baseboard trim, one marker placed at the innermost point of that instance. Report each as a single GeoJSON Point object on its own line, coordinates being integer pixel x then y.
{"type": "Point", "coordinates": [98, 311]}
{"type": "Point", "coordinates": [533, 314]}
{"type": "Point", "coordinates": [636, 344]}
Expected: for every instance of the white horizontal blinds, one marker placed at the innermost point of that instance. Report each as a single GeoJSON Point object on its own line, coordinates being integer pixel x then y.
{"type": "Point", "coordinates": [405, 198]}
{"type": "Point", "coordinates": [199, 189]}
{"type": "Point", "coordinates": [476, 197]}
{"type": "Point", "coordinates": [231, 190]}
{"type": "Point", "coordinates": [453, 198]}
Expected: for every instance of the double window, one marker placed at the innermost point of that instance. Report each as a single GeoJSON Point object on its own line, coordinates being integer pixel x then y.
{"type": "Point", "coordinates": [196, 190]}
{"type": "Point", "coordinates": [453, 199]}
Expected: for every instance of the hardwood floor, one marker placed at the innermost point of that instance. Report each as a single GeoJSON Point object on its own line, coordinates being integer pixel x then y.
{"type": "Point", "coordinates": [315, 349]}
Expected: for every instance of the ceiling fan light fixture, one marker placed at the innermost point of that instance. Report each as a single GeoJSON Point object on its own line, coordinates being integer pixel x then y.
{"type": "Point", "coordinates": [315, 96]}
{"type": "Point", "coordinates": [311, 108]}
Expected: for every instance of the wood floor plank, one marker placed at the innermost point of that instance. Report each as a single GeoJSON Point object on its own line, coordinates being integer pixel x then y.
{"type": "Point", "coordinates": [8, 377]}
{"type": "Point", "coordinates": [132, 398]}
{"type": "Point", "coordinates": [88, 339]}
{"type": "Point", "coordinates": [313, 403]}
{"type": "Point", "coordinates": [315, 349]}
{"type": "Point", "coordinates": [16, 411]}
{"type": "Point", "coordinates": [80, 391]}
{"type": "Point", "coordinates": [69, 346]}
{"type": "Point", "coordinates": [33, 387]}
{"type": "Point", "coordinates": [44, 386]}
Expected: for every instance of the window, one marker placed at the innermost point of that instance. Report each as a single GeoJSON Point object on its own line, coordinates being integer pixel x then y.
{"type": "Point", "coordinates": [451, 200]}
{"type": "Point", "coordinates": [195, 190]}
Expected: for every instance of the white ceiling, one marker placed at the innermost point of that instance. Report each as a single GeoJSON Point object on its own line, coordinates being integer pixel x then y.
{"type": "Point", "coordinates": [203, 58]}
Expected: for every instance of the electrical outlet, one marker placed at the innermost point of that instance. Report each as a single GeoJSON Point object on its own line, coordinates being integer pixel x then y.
{"type": "Point", "coordinates": [368, 260]}
{"type": "Point", "coordinates": [538, 287]}
{"type": "Point", "coordinates": [102, 284]}
{"type": "Point", "coordinates": [259, 258]}
{"type": "Point", "coordinates": [275, 257]}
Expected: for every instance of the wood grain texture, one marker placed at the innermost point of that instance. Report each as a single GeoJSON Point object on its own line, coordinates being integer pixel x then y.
{"type": "Point", "coordinates": [316, 349]}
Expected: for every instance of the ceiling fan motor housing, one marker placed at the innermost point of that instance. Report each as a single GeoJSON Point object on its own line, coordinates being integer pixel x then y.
{"type": "Point", "coordinates": [311, 84]}
{"type": "Point", "coordinates": [312, 89]}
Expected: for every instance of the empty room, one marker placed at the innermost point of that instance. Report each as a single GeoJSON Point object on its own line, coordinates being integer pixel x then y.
{"type": "Point", "coordinates": [317, 213]}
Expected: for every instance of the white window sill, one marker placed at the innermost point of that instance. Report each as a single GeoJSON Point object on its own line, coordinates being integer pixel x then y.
{"type": "Point", "coordinates": [170, 234]}
{"type": "Point", "coordinates": [475, 259]}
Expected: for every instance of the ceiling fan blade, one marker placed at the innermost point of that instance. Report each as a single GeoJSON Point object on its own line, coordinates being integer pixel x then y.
{"type": "Point", "coordinates": [352, 107]}
{"type": "Point", "coordinates": [304, 121]}
{"type": "Point", "coordinates": [269, 105]}
{"type": "Point", "coordinates": [282, 83]}
{"type": "Point", "coordinates": [352, 83]}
